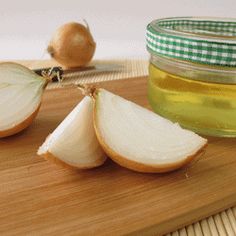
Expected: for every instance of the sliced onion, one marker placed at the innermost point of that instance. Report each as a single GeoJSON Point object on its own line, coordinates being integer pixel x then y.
{"type": "Point", "coordinates": [74, 143]}
{"type": "Point", "coordinates": [139, 139]}
{"type": "Point", "coordinates": [20, 97]}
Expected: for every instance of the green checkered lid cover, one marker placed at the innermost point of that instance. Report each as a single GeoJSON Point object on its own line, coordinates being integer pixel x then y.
{"type": "Point", "coordinates": [207, 41]}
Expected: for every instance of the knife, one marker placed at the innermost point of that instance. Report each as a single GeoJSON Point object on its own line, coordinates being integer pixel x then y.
{"type": "Point", "coordinates": [57, 73]}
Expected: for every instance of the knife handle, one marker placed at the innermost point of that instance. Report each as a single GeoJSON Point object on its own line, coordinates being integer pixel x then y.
{"type": "Point", "coordinates": [54, 72]}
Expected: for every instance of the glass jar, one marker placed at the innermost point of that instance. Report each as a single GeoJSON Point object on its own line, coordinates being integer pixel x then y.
{"type": "Point", "coordinates": [192, 73]}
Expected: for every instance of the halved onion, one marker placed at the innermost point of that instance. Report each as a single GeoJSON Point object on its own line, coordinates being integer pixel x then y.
{"type": "Point", "coordinates": [74, 143]}
{"type": "Point", "coordinates": [139, 139]}
{"type": "Point", "coordinates": [20, 97]}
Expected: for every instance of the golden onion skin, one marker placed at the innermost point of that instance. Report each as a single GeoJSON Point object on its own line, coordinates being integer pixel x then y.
{"type": "Point", "coordinates": [72, 45]}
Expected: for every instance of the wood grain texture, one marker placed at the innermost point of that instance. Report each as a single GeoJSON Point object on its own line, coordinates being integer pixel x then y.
{"type": "Point", "coordinates": [40, 198]}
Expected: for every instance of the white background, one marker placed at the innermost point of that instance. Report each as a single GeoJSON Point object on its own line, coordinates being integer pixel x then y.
{"type": "Point", "coordinates": [118, 26]}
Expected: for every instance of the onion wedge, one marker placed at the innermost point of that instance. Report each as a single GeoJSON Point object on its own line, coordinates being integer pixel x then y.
{"type": "Point", "coordinates": [139, 139]}
{"type": "Point", "coordinates": [74, 143]}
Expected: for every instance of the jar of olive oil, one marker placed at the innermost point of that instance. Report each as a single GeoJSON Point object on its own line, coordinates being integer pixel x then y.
{"type": "Point", "coordinates": [192, 73]}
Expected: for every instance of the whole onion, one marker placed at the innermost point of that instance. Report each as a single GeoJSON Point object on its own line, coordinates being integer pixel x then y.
{"type": "Point", "coordinates": [72, 45]}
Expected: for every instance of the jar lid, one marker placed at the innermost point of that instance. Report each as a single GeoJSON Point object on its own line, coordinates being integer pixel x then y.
{"type": "Point", "coordinates": [202, 40]}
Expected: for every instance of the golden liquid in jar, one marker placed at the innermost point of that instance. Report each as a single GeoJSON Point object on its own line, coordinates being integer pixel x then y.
{"type": "Point", "coordinates": [207, 108]}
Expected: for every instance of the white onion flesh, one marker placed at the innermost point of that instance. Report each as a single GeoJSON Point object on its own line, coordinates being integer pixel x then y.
{"type": "Point", "coordinates": [74, 140]}
{"type": "Point", "coordinates": [20, 94]}
{"type": "Point", "coordinates": [140, 135]}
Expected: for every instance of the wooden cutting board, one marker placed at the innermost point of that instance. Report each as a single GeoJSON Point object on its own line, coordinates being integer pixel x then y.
{"type": "Point", "coordinates": [40, 198]}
